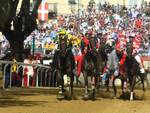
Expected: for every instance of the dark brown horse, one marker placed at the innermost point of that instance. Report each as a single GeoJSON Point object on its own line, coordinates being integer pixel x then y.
{"type": "Point", "coordinates": [91, 66]}
{"type": "Point", "coordinates": [133, 70]}
{"type": "Point", "coordinates": [64, 64]}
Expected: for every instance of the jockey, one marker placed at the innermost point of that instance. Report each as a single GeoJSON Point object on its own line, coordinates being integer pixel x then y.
{"type": "Point", "coordinates": [98, 39]}
{"type": "Point", "coordinates": [79, 58]}
{"type": "Point", "coordinates": [84, 47]}
{"type": "Point", "coordinates": [96, 45]}
{"type": "Point", "coordinates": [121, 53]}
{"type": "Point", "coordinates": [121, 42]}
{"type": "Point", "coordinates": [136, 49]}
{"type": "Point", "coordinates": [84, 44]}
{"type": "Point", "coordinates": [113, 61]}
{"type": "Point", "coordinates": [62, 33]}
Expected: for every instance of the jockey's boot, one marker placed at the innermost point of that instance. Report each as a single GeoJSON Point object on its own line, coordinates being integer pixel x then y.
{"type": "Point", "coordinates": [138, 59]}
{"type": "Point", "coordinates": [142, 70]}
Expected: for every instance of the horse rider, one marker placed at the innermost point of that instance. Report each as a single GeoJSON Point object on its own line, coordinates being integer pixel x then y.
{"type": "Point", "coordinates": [63, 34]}
{"type": "Point", "coordinates": [121, 53]}
{"type": "Point", "coordinates": [84, 46]}
{"type": "Point", "coordinates": [112, 65]}
{"type": "Point", "coordinates": [136, 50]}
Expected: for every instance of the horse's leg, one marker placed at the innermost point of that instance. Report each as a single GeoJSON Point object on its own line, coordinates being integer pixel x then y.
{"type": "Point", "coordinates": [142, 76]}
{"type": "Point", "coordinates": [122, 88]}
{"type": "Point", "coordinates": [61, 85]}
{"type": "Point", "coordinates": [114, 86]}
{"type": "Point", "coordinates": [71, 95]}
{"type": "Point", "coordinates": [123, 84]}
{"type": "Point", "coordinates": [93, 87]}
{"type": "Point", "coordinates": [130, 78]}
{"type": "Point", "coordinates": [71, 85]}
{"type": "Point", "coordinates": [98, 84]}
{"type": "Point", "coordinates": [107, 82]}
{"type": "Point", "coordinates": [132, 87]}
{"type": "Point", "coordinates": [86, 95]}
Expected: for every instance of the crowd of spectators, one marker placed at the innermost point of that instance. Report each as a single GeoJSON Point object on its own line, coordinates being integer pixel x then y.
{"type": "Point", "coordinates": [112, 21]}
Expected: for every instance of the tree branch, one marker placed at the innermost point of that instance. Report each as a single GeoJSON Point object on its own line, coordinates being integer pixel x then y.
{"type": "Point", "coordinates": [25, 7]}
{"type": "Point", "coordinates": [36, 4]}
{"type": "Point", "coordinates": [7, 12]}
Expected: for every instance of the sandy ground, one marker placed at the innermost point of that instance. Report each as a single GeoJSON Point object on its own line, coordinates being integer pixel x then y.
{"type": "Point", "coordinates": [22, 100]}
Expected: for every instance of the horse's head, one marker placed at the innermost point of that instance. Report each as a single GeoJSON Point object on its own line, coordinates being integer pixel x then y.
{"type": "Point", "coordinates": [92, 46]}
{"type": "Point", "coordinates": [63, 44]}
{"type": "Point", "coordinates": [109, 46]}
{"type": "Point", "coordinates": [129, 49]}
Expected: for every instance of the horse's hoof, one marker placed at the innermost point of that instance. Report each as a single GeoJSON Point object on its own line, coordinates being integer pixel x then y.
{"type": "Point", "coordinates": [107, 90]}
{"type": "Point", "coordinates": [123, 96]}
{"type": "Point", "coordinates": [93, 98]}
{"type": "Point", "coordinates": [131, 99]}
{"type": "Point", "coordinates": [132, 95]}
{"type": "Point", "coordinates": [144, 90]}
{"type": "Point", "coordinates": [74, 98]}
{"type": "Point", "coordinates": [114, 97]}
{"type": "Point", "coordinates": [60, 97]}
{"type": "Point", "coordinates": [68, 98]}
{"type": "Point", "coordinates": [86, 97]}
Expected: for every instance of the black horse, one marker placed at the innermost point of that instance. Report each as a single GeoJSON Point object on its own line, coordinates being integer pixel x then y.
{"type": "Point", "coordinates": [64, 64]}
{"type": "Point", "coordinates": [91, 67]}
{"type": "Point", "coordinates": [133, 70]}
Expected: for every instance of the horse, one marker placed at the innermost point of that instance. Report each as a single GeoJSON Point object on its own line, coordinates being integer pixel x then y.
{"type": "Point", "coordinates": [91, 67]}
{"type": "Point", "coordinates": [133, 70]}
{"type": "Point", "coordinates": [64, 65]}
{"type": "Point", "coordinates": [122, 75]}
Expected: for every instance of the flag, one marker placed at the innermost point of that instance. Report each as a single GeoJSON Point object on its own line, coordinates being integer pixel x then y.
{"type": "Point", "coordinates": [43, 11]}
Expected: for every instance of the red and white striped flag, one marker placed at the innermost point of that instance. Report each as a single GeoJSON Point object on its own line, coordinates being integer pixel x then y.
{"type": "Point", "coordinates": [43, 11]}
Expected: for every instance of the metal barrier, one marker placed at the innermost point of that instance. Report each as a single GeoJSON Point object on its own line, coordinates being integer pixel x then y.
{"type": "Point", "coordinates": [43, 75]}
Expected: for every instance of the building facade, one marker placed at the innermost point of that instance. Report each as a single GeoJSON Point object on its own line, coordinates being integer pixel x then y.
{"type": "Point", "coordinates": [63, 6]}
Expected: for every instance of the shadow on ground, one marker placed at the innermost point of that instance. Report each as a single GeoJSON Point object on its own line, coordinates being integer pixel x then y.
{"type": "Point", "coordinates": [11, 97]}
{"type": "Point", "coordinates": [14, 102]}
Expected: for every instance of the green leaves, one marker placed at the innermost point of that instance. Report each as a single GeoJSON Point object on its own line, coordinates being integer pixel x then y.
{"type": "Point", "coordinates": [72, 2]}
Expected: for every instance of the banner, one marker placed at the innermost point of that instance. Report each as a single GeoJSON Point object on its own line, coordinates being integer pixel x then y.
{"type": "Point", "coordinates": [43, 11]}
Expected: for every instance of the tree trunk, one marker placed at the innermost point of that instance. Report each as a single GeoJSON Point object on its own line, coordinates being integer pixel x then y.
{"type": "Point", "coordinates": [16, 41]}
{"type": "Point", "coordinates": [16, 26]}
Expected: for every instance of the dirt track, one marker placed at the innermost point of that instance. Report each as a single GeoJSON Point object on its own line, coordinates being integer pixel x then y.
{"type": "Point", "coordinates": [44, 101]}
